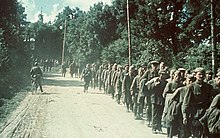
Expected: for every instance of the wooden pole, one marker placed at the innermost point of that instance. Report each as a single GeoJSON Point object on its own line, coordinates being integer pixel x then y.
{"type": "Point", "coordinates": [64, 42]}
{"type": "Point", "coordinates": [129, 35]}
{"type": "Point", "coordinates": [213, 27]}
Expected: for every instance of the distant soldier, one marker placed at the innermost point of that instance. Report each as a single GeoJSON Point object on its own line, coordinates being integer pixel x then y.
{"type": "Point", "coordinates": [110, 89]}
{"type": "Point", "coordinates": [104, 78]}
{"type": "Point", "coordinates": [172, 71]}
{"type": "Point", "coordinates": [112, 80]}
{"type": "Point", "coordinates": [119, 79]}
{"type": "Point", "coordinates": [208, 77]}
{"type": "Point", "coordinates": [135, 91]}
{"type": "Point", "coordinates": [107, 78]}
{"type": "Point", "coordinates": [99, 77]}
{"type": "Point", "coordinates": [36, 74]}
{"type": "Point", "coordinates": [196, 101]}
{"type": "Point", "coordinates": [50, 64]}
{"type": "Point", "coordinates": [76, 70]}
{"type": "Point", "coordinates": [47, 64]}
{"type": "Point", "coordinates": [63, 69]}
{"type": "Point", "coordinates": [71, 68]}
{"type": "Point", "coordinates": [87, 77]}
{"type": "Point", "coordinates": [94, 81]}
{"type": "Point", "coordinates": [182, 74]}
{"type": "Point", "coordinates": [126, 85]}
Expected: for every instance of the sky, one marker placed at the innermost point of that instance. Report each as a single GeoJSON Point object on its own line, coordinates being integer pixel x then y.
{"type": "Point", "coordinates": [51, 8]}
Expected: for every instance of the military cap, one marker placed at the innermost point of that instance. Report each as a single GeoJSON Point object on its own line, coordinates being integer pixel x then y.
{"type": "Point", "coordinates": [181, 69]}
{"type": "Point", "coordinates": [120, 66]}
{"type": "Point", "coordinates": [154, 62]}
{"type": "Point", "coordinates": [199, 69]}
{"type": "Point", "coordinates": [209, 72]}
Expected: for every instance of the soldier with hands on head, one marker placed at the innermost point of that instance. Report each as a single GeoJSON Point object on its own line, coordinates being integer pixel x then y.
{"type": "Point", "coordinates": [156, 86]}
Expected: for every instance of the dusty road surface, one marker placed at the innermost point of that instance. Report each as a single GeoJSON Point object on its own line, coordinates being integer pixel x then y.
{"type": "Point", "coordinates": [64, 111]}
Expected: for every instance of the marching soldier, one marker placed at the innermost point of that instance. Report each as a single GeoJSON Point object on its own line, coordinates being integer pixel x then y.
{"type": "Point", "coordinates": [149, 74]}
{"type": "Point", "coordinates": [156, 86]}
{"type": "Point", "coordinates": [119, 79]}
{"type": "Point", "coordinates": [126, 85]}
{"type": "Point", "coordinates": [135, 91]}
{"type": "Point", "coordinates": [196, 101]}
{"type": "Point", "coordinates": [87, 76]}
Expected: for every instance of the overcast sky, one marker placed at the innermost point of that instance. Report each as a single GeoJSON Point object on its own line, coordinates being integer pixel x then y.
{"type": "Point", "coordinates": [51, 8]}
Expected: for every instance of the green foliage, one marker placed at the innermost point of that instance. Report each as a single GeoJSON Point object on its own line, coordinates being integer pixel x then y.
{"type": "Point", "coordinates": [14, 55]}
{"type": "Point", "coordinates": [199, 56]}
{"type": "Point", "coordinates": [117, 52]}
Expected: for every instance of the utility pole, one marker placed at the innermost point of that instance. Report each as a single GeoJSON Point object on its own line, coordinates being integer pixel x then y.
{"type": "Point", "coordinates": [64, 42]}
{"type": "Point", "coordinates": [129, 35]}
{"type": "Point", "coordinates": [213, 34]}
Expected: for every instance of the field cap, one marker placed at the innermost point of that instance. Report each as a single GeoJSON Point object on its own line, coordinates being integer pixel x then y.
{"type": "Point", "coordinates": [181, 69]}
{"type": "Point", "coordinates": [154, 62]}
{"type": "Point", "coordinates": [200, 69]}
{"type": "Point", "coordinates": [209, 72]}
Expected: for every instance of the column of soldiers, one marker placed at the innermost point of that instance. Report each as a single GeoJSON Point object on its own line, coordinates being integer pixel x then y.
{"type": "Point", "coordinates": [186, 103]}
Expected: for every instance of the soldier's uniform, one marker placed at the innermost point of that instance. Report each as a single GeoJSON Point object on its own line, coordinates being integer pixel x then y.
{"type": "Point", "coordinates": [99, 77]}
{"type": "Point", "coordinates": [157, 85]}
{"type": "Point", "coordinates": [211, 119]}
{"type": "Point", "coordinates": [195, 103]}
{"type": "Point", "coordinates": [118, 85]}
{"type": "Point", "coordinates": [134, 93]}
{"type": "Point", "coordinates": [87, 76]}
{"type": "Point", "coordinates": [36, 73]}
{"type": "Point", "coordinates": [63, 69]}
{"type": "Point", "coordinates": [71, 68]}
{"type": "Point", "coordinates": [141, 96]}
{"type": "Point", "coordinates": [126, 85]}
{"type": "Point", "coordinates": [208, 78]}
{"type": "Point", "coordinates": [181, 129]}
{"type": "Point", "coordinates": [106, 76]}
{"type": "Point", "coordinates": [167, 94]}
{"type": "Point", "coordinates": [111, 81]}
{"type": "Point", "coordinates": [149, 74]}
{"type": "Point", "coordinates": [94, 81]}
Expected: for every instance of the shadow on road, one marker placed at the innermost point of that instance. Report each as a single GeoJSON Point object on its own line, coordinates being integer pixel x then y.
{"type": "Point", "coordinates": [51, 75]}
{"type": "Point", "coordinates": [57, 80]}
{"type": "Point", "coordinates": [62, 83]}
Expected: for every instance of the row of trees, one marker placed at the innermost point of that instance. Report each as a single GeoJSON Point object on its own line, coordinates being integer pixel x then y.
{"type": "Point", "coordinates": [175, 31]}
{"type": "Point", "coordinates": [14, 53]}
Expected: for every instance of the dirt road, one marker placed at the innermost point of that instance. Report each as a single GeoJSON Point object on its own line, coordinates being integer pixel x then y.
{"type": "Point", "coordinates": [64, 111]}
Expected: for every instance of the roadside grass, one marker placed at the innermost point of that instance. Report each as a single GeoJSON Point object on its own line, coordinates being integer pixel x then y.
{"type": "Point", "coordinates": [9, 105]}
